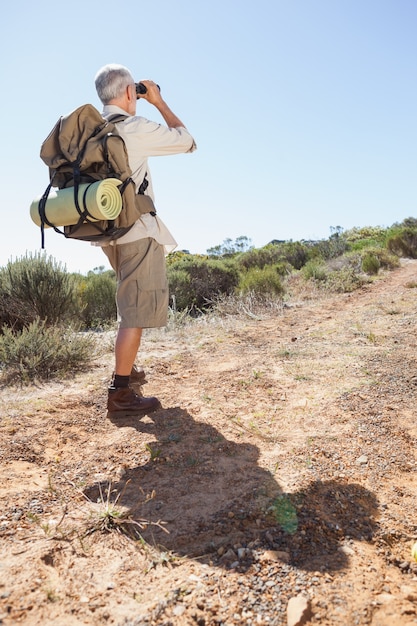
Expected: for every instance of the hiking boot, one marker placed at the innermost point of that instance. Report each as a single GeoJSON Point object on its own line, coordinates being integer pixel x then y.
{"type": "Point", "coordinates": [124, 402]}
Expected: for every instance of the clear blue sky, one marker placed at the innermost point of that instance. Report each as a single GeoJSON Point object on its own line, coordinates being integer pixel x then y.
{"type": "Point", "coordinates": [304, 112]}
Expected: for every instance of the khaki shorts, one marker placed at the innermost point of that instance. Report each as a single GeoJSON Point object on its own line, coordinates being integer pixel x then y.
{"type": "Point", "coordinates": [142, 286]}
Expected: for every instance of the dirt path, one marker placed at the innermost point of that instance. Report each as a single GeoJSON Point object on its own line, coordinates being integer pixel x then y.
{"type": "Point", "coordinates": [282, 464]}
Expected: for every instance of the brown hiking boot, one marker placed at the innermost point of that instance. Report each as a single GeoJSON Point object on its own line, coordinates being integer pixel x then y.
{"type": "Point", "coordinates": [124, 402]}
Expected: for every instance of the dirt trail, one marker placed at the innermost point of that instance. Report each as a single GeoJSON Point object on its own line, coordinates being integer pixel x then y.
{"type": "Point", "coordinates": [282, 464]}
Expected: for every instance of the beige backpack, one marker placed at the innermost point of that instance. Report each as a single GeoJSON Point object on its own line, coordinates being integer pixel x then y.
{"type": "Point", "coordinates": [83, 147]}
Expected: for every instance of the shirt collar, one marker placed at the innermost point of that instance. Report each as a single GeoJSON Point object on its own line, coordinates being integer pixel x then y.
{"type": "Point", "coordinates": [111, 109]}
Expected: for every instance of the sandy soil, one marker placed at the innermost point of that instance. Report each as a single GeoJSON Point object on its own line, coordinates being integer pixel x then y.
{"type": "Point", "coordinates": [283, 464]}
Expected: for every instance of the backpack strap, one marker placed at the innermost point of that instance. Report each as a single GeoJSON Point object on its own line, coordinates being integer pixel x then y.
{"type": "Point", "coordinates": [117, 117]}
{"type": "Point", "coordinates": [114, 119]}
{"type": "Point", "coordinates": [42, 213]}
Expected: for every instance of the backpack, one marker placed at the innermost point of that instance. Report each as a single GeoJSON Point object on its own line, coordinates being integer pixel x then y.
{"type": "Point", "coordinates": [83, 148]}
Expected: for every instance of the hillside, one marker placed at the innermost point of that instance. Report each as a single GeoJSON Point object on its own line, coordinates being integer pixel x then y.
{"type": "Point", "coordinates": [282, 464]}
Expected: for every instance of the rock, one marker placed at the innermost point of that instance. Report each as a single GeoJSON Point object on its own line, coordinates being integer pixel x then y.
{"type": "Point", "coordinates": [362, 460]}
{"type": "Point", "coordinates": [298, 611]}
{"type": "Point", "coordinates": [241, 553]}
{"type": "Point", "coordinates": [384, 598]}
{"type": "Point", "coordinates": [228, 556]}
{"type": "Point", "coordinates": [178, 610]}
{"type": "Point", "coordinates": [409, 593]}
{"type": "Point", "coordinates": [275, 555]}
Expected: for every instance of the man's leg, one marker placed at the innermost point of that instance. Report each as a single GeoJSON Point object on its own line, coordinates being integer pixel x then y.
{"type": "Point", "coordinates": [141, 301]}
{"type": "Point", "coordinates": [122, 400]}
{"type": "Point", "coordinates": [126, 349]}
{"type": "Point", "coordinates": [127, 339]}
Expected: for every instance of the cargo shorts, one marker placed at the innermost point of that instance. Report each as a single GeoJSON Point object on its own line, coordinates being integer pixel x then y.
{"type": "Point", "coordinates": [142, 285]}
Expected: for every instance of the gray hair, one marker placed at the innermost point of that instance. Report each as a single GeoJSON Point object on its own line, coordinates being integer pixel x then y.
{"type": "Point", "coordinates": [111, 81]}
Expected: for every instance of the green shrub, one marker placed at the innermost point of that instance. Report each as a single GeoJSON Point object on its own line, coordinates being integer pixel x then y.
{"type": "Point", "coordinates": [259, 257]}
{"type": "Point", "coordinates": [330, 248]}
{"type": "Point", "coordinates": [366, 237]}
{"type": "Point", "coordinates": [363, 244]}
{"type": "Point", "coordinates": [194, 283]}
{"type": "Point", "coordinates": [41, 352]}
{"type": "Point", "coordinates": [408, 222]}
{"type": "Point", "coordinates": [283, 268]}
{"type": "Point", "coordinates": [315, 269]}
{"type": "Point", "coordinates": [403, 242]}
{"type": "Point", "coordinates": [295, 252]}
{"type": "Point", "coordinates": [181, 291]}
{"type": "Point", "coordinates": [97, 294]}
{"type": "Point", "coordinates": [375, 258]}
{"type": "Point", "coordinates": [345, 280]}
{"type": "Point", "coordinates": [290, 253]}
{"type": "Point", "coordinates": [265, 282]}
{"type": "Point", "coordinates": [180, 255]}
{"type": "Point", "coordinates": [35, 287]}
{"type": "Point", "coordinates": [341, 275]}
{"type": "Point", "coordinates": [370, 263]}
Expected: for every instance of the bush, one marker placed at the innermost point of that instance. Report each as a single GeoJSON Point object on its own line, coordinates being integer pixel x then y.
{"type": "Point", "coordinates": [180, 255]}
{"type": "Point", "coordinates": [36, 287]}
{"type": "Point", "coordinates": [194, 283]}
{"type": "Point", "coordinates": [181, 291]}
{"type": "Point", "coordinates": [370, 263]}
{"type": "Point", "coordinates": [288, 253]}
{"type": "Point", "coordinates": [409, 222]}
{"type": "Point", "coordinates": [403, 242]}
{"type": "Point", "coordinates": [259, 257]}
{"type": "Point", "coordinates": [41, 352]}
{"type": "Point", "coordinates": [341, 275]}
{"type": "Point", "coordinates": [97, 294]}
{"type": "Point", "coordinates": [315, 269]}
{"type": "Point", "coordinates": [375, 258]}
{"type": "Point", "coordinates": [295, 252]}
{"type": "Point", "coordinates": [345, 280]}
{"type": "Point", "coordinates": [366, 237]}
{"type": "Point", "coordinates": [330, 248]}
{"type": "Point", "coordinates": [265, 282]}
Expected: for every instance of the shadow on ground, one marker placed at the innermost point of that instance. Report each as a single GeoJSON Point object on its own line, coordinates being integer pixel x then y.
{"type": "Point", "coordinates": [212, 496]}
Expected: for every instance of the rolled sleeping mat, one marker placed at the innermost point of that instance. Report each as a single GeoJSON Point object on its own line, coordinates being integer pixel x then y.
{"type": "Point", "coordinates": [102, 199]}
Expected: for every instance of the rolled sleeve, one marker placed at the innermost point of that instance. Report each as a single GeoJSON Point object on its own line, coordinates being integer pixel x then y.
{"type": "Point", "coordinates": [155, 139]}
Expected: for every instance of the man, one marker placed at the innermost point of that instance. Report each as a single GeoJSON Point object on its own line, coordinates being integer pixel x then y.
{"type": "Point", "coordinates": [138, 257]}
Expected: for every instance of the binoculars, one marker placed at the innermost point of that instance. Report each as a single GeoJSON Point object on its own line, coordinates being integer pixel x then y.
{"type": "Point", "coordinates": [141, 89]}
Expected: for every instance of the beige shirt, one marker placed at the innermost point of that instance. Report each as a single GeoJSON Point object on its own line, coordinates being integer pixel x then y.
{"type": "Point", "coordinates": [143, 139]}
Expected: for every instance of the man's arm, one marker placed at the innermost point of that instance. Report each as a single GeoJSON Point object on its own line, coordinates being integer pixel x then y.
{"type": "Point", "coordinates": [153, 96]}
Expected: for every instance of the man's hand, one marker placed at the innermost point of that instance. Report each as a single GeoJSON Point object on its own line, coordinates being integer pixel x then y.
{"type": "Point", "coordinates": [153, 96]}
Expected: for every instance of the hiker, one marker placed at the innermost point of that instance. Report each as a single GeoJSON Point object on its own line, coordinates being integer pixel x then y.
{"type": "Point", "coordinates": [138, 257]}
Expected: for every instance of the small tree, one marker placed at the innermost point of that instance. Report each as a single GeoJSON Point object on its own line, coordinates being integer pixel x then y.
{"type": "Point", "coordinates": [36, 287]}
{"type": "Point", "coordinates": [97, 293]}
{"type": "Point", "coordinates": [230, 247]}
